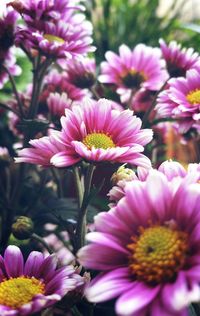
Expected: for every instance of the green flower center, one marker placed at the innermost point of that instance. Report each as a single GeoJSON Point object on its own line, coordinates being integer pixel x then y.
{"type": "Point", "coordinates": [158, 253]}
{"type": "Point", "coordinates": [194, 96]}
{"type": "Point", "coordinates": [52, 38]}
{"type": "Point", "coordinates": [16, 292]}
{"type": "Point", "coordinates": [98, 140]}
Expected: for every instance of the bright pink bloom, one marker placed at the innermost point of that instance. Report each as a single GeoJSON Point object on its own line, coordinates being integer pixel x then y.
{"type": "Point", "coordinates": [178, 59]}
{"type": "Point", "coordinates": [57, 103]}
{"type": "Point", "coordinates": [147, 248]}
{"type": "Point", "coordinates": [181, 101]}
{"type": "Point", "coordinates": [95, 132]}
{"type": "Point", "coordinates": [140, 68]}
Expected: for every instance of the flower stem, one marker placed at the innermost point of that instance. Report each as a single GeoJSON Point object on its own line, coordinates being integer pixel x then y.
{"type": "Point", "coordinates": [42, 241]}
{"type": "Point", "coordinates": [148, 112]}
{"type": "Point", "coordinates": [81, 222]}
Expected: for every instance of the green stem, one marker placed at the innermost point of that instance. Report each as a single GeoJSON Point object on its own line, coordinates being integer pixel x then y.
{"type": "Point", "coordinates": [148, 112]}
{"type": "Point", "coordinates": [78, 184]}
{"type": "Point", "coordinates": [42, 241]}
{"type": "Point", "coordinates": [81, 222]}
{"type": "Point", "coordinates": [58, 181]}
{"type": "Point", "coordinates": [9, 109]}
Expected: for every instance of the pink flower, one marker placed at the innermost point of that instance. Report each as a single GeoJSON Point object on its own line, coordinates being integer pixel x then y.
{"type": "Point", "coordinates": [147, 248]}
{"type": "Point", "coordinates": [81, 72]}
{"type": "Point", "coordinates": [95, 132]}
{"type": "Point", "coordinates": [57, 103]}
{"type": "Point", "coordinates": [178, 59]}
{"type": "Point", "coordinates": [41, 152]}
{"type": "Point", "coordinates": [140, 68]}
{"type": "Point", "coordinates": [181, 101]}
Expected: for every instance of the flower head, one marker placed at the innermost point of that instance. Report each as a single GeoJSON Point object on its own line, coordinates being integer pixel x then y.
{"type": "Point", "coordinates": [95, 132]}
{"type": "Point", "coordinates": [81, 72]}
{"type": "Point", "coordinates": [181, 101]}
{"type": "Point", "coordinates": [26, 288]}
{"type": "Point", "coordinates": [147, 248]}
{"type": "Point", "coordinates": [140, 68]}
{"type": "Point", "coordinates": [92, 131]}
{"type": "Point", "coordinates": [178, 59]}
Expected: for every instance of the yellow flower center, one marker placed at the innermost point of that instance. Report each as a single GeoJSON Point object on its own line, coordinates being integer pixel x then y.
{"type": "Point", "coordinates": [52, 38]}
{"type": "Point", "coordinates": [133, 78]}
{"type": "Point", "coordinates": [194, 96]}
{"type": "Point", "coordinates": [158, 253]}
{"type": "Point", "coordinates": [16, 292]}
{"type": "Point", "coordinates": [98, 140]}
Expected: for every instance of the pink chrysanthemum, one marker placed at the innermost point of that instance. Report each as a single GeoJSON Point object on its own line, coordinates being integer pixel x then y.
{"type": "Point", "coordinates": [173, 170]}
{"type": "Point", "coordinates": [36, 12]}
{"type": "Point", "coordinates": [94, 132]}
{"type": "Point", "coordinates": [58, 40]}
{"type": "Point", "coordinates": [56, 82]}
{"type": "Point", "coordinates": [140, 68]}
{"type": "Point", "coordinates": [148, 249]}
{"type": "Point", "coordinates": [181, 101]}
{"type": "Point", "coordinates": [57, 103]}
{"type": "Point", "coordinates": [8, 61]}
{"type": "Point", "coordinates": [26, 288]}
{"type": "Point", "coordinates": [41, 152]}
{"type": "Point", "coordinates": [178, 59]}
{"type": "Point", "coordinates": [81, 72]}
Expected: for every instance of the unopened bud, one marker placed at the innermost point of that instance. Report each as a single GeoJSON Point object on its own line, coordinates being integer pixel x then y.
{"type": "Point", "coordinates": [123, 173]}
{"type": "Point", "coordinates": [22, 228]}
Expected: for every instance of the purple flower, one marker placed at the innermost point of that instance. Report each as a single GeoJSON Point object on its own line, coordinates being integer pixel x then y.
{"type": "Point", "coordinates": [178, 59]}
{"type": "Point", "coordinates": [181, 101]}
{"type": "Point", "coordinates": [26, 288]}
{"type": "Point", "coordinates": [81, 72]}
{"type": "Point", "coordinates": [141, 67]}
{"type": "Point", "coordinates": [147, 248]}
{"type": "Point", "coordinates": [8, 61]}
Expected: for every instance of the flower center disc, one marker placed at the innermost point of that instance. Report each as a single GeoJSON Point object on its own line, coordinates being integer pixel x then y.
{"type": "Point", "coordinates": [158, 253]}
{"type": "Point", "coordinates": [194, 96]}
{"type": "Point", "coordinates": [52, 38]}
{"type": "Point", "coordinates": [98, 140]}
{"type": "Point", "coordinates": [16, 292]}
{"type": "Point", "coordinates": [133, 79]}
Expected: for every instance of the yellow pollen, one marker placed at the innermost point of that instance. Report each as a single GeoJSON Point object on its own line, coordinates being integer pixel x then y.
{"type": "Point", "coordinates": [194, 97]}
{"type": "Point", "coordinates": [98, 140]}
{"type": "Point", "coordinates": [158, 253]}
{"type": "Point", "coordinates": [16, 292]}
{"type": "Point", "coordinates": [52, 38]}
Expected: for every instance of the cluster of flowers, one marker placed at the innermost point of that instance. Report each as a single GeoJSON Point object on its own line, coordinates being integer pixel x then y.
{"type": "Point", "coordinates": [147, 245]}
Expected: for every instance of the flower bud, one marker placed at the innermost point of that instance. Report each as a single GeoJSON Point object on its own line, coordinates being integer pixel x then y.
{"type": "Point", "coordinates": [22, 228]}
{"type": "Point", "coordinates": [123, 173]}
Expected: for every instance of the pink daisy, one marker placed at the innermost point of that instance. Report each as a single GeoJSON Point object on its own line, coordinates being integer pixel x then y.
{"type": "Point", "coordinates": [81, 72]}
{"type": "Point", "coordinates": [178, 59]}
{"type": "Point", "coordinates": [94, 132]}
{"type": "Point", "coordinates": [181, 101]}
{"type": "Point", "coordinates": [140, 68]}
{"type": "Point", "coordinates": [57, 103]}
{"type": "Point", "coordinates": [147, 248]}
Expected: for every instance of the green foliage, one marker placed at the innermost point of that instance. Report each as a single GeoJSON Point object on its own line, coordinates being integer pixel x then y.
{"type": "Point", "coordinates": [132, 22]}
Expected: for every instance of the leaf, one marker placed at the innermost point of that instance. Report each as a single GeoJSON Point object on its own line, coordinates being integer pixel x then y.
{"type": "Point", "coordinates": [192, 27]}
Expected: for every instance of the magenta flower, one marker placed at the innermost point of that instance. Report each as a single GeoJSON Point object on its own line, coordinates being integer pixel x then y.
{"type": "Point", "coordinates": [36, 12]}
{"type": "Point", "coordinates": [178, 59]}
{"type": "Point", "coordinates": [59, 82]}
{"type": "Point", "coordinates": [8, 61]}
{"type": "Point", "coordinates": [41, 152]}
{"type": "Point", "coordinates": [95, 132]}
{"type": "Point", "coordinates": [57, 103]}
{"type": "Point", "coordinates": [26, 288]}
{"type": "Point", "coordinates": [81, 72]}
{"type": "Point", "coordinates": [148, 249]}
{"type": "Point", "coordinates": [181, 101]}
{"type": "Point", "coordinates": [140, 68]}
